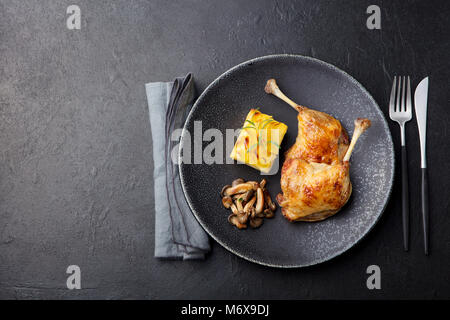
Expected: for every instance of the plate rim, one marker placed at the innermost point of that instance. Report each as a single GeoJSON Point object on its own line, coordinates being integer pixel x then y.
{"type": "Point", "coordinates": [327, 65]}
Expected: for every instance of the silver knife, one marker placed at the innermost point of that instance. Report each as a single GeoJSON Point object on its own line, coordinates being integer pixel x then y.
{"type": "Point", "coordinates": [420, 104]}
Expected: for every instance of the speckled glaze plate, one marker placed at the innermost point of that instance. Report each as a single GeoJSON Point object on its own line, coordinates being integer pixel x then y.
{"type": "Point", "coordinates": [316, 84]}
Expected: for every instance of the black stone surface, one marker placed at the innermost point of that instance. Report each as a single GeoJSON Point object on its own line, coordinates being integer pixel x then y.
{"type": "Point", "coordinates": [76, 164]}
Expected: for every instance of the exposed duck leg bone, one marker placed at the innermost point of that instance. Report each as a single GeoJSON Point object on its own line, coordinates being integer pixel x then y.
{"type": "Point", "coordinates": [272, 88]}
{"type": "Point", "coordinates": [360, 126]}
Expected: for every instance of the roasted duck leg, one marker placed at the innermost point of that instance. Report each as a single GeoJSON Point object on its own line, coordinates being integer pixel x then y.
{"type": "Point", "coordinates": [321, 138]}
{"type": "Point", "coordinates": [315, 191]}
{"type": "Point", "coordinates": [315, 178]}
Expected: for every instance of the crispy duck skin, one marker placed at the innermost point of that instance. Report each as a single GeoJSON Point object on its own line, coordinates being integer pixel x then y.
{"type": "Point", "coordinates": [313, 191]}
{"type": "Point", "coordinates": [321, 138]}
{"type": "Point", "coordinates": [315, 178]}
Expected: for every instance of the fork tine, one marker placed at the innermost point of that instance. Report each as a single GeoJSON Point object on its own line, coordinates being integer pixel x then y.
{"type": "Point", "coordinates": [408, 97]}
{"type": "Point", "coordinates": [392, 99]}
{"type": "Point", "coordinates": [399, 90]}
{"type": "Point", "coordinates": [403, 105]}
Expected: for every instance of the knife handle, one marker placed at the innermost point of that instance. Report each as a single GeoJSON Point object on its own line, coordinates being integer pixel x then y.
{"type": "Point", "coordinates": [405, 199]}
{"type": "Point", "coordinates": [425, 215]}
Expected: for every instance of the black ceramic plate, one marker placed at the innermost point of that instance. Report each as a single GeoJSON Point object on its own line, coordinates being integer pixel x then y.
{"type": "Point", "coordinates": [309, 82]}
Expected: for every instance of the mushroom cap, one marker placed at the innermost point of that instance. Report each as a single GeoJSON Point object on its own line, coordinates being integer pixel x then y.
{"type": "Point", "coordinates": [239, 188]}
{"type": "Point", "coordinates": [237, 181]}
{"type": "Point", "coordinates": [227, 202]}
{"type": "Point", "coordinates": [243, 218]}
{"type": "Point", "coordinates": [256, 222]}
{"type": "Point", "coordinates": [268, 214]}
{"type": "Point", "coordinates": [222, 192]}
{"type": "Point", "coordinates": [234, 220]}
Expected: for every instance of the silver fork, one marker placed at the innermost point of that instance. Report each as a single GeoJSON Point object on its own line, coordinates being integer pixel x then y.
{"type": "Point", "coordinates": [400, 110]}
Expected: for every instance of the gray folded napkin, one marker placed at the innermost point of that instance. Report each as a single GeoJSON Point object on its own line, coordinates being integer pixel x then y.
{"type": "Point", "coordinates": [177, 232]}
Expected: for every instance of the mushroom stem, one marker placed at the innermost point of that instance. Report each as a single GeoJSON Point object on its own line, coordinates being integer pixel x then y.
{"type": "Point", "coordinates": [234, 209]}
{"type": "Point", "coordinates": [240, 188]}
{"type": "Point", "coordinates": [263, 182]}
{"type": "Point", "coordinates": [260, 200]}
{"type": "Point", "coordinates": [250, 204]}
{"type": "Point", "coordinates": [239, 206]}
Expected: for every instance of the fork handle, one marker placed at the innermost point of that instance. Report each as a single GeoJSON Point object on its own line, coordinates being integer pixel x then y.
{"type": "Point", "coordinates": [425, 216]}
{"type": "Point", "coordinates": [405, 199]}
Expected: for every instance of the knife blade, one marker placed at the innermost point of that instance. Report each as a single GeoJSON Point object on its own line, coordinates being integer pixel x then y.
{"type": "Point", "coordinates": [421, 105]}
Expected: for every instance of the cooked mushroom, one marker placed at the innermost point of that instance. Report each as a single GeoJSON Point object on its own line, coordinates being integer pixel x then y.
{"type": "Point", "coordinates": [260, 215]}
{"type": "Point", "coordinates": [244, 197]}
{"type": "Point", "coordinates": [222, 192]}
{"type": "Point", "coordinates": [269, 201]}
{"type": "Point", "coordinates": [237, 181]}
{"type": "Point", "coordinates": [256, 222]}
{"type": "Point", "coordinates": [227, 202]}
{"type": "Point", "coordinates": [254, 184]}
{"type": "Point", "coordinates": [250, 204]}
{"type": "Point", "coordinates": [247, 196]}
{"type": "Point", "coordinates": [234, 209]}
{"type": "Point", "coordinates": [243, 218]}
{"type": "Point", "coordinates": [268, 213]}
{"type": "Point", "coordinates": [234, 220]}
{"type": "Point", "coordinates": [260, 200]}
{"type": "Point", "coordinates": [239, 206]}
{"type": "Point", "coordinates": [240, 188]}
{"type": "Point", "coordinates": [263, 182]}
{"type": "Point", "coordinates": [236, 196]}
{"type": "Point", "coordinates": [255, 214]}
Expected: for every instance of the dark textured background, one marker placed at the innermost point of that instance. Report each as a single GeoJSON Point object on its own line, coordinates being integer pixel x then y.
{"type": "Point", "coordinates": [75, 149]}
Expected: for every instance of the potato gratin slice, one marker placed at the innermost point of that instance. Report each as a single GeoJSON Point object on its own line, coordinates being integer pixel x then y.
{"type": "Point", "coordinates": [259, 141]}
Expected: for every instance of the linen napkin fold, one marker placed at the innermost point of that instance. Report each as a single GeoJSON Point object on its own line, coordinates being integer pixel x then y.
{"type": "Point", "coordinates": [177, 233]}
